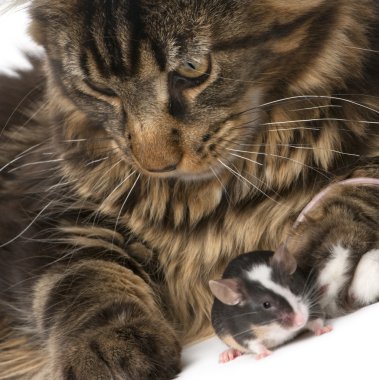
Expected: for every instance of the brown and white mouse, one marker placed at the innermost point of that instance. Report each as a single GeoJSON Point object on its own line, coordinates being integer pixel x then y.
{"type": "Point", "coordinates": [262, 301]}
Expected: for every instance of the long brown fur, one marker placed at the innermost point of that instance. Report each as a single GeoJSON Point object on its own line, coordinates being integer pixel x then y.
{"type": "Point", "coordinates": [126, 186]}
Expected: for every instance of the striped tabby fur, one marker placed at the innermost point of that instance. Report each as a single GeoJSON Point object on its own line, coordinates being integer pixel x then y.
{"type": "Point", "coordinates": [155, 142]}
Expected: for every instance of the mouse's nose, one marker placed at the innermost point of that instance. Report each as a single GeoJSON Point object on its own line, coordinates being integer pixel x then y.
{"type": "Point", "coordinates": [299, 320]}
{"type": "Point", "coordinates": [293, 320]}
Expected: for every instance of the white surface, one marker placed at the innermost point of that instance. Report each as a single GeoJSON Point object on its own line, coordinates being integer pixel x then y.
{"type": "Point", "coordinates": [348, 352]}
{"type": "Point", "coordinates": [14, 41]}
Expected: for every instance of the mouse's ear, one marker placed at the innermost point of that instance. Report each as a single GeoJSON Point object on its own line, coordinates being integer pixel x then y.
{"type": "Point", "coordinates": [227, 291]}
{"type": "Point", "coordinates": [284, 259]}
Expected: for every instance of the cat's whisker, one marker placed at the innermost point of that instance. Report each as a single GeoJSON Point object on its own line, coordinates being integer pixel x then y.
{"type": "Point", "coordinates": [315, 108]}
{"type": "Point", "coordinates": [111, 152]}
{"type": "Point", "coordinates": [20, 156]}
{"type": "Point", "coordinates": [27, 151]}
{"type": "Point", "coordinates": [35, 163]}
{"type": "Point", "coordinates": [21, 102]}
{"type": "Point", "coordinates": [252, 124]}
{"type": "Point", "coordinates": [102, 150]}
{"type": "Point", "coordinates": [57, 160]}
{"type": "Point", "coordinates": [91, 139]}
{"type": "Point", "coordinates": [258, 179]}
{"type": "Point", "coordinates": [53, 168]}
{"type": "Point", "coordinates": [240, 176]}
{"type": "Point", "coordinates": [301, 146]}
{"type": "Point", "coordinates": [259, 108]}
{"type": "Point", "coordinates": [310, 97]}
{"type": "Point", "coordinates": [360, 48]}
{"type": "Point", "coordinates": [123, 205]}
{"type": "Point", "coordinates": [222, 185]}
{"type": "Point", "coordinates": [294, 128]}
{"type": "Point", "coordinates": [27, 227]}
{"type": "Point", "coordinates": [247, 159]}
{"type": "Point", "coordinates": [111, 168]}
{"type": "Point", "coordinates": [282, 157]}
{"type": "Point", "coordinates": [300, 98]}
{"type": "Point", "coordinates": [117, 187]}
{"type": "Point", "coordinates": [61, 184]}
{"type": "Point", "coordinates": [97, 161]}
{"type": "Point", "coordinates": [313, 120]}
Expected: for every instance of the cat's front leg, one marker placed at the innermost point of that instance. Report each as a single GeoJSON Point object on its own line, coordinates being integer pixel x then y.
{"type": "Point", "coordinates": [338, 241]}
{"type": "Point", "coordinates": [101, 321]}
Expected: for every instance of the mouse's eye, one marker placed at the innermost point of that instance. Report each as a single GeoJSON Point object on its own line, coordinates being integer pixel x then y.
{"type": "Point", "coordinates": [267, 305]}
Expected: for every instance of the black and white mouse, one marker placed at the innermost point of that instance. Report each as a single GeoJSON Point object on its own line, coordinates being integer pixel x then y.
{"type": "Point", "coordinates": [262, 301]}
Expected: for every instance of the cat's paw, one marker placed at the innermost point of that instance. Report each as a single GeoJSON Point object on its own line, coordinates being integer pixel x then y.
{"type": "Point", "coordinates": [128, 347]}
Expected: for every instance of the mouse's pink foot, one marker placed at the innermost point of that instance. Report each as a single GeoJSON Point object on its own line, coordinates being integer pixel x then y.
{"type": "Point", "coordinates": [318, 327]}
{"type": "Point", "coordinates": [263, 355]}
{"type": "Point", "coordinates": [229, 355]}
{"type": "Point", "coordinates": [323, 330]}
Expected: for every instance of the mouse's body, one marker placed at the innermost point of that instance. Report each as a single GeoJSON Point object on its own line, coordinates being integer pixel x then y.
{"type": "Point", "coordinates": [259, 304]}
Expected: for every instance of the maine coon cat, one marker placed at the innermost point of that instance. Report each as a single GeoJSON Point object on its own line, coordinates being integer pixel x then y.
{"type": "Point", "coordinates": [155, 142]}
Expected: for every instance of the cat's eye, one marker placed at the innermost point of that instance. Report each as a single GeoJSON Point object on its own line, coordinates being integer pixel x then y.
{"type": "Point", "coordinates": [195, 68]}
{"type": "Point", "coordinates": [100, 88]}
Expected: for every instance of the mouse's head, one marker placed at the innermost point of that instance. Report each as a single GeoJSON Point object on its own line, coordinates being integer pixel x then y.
{"type": "Point", "coordinates": [267, 294]}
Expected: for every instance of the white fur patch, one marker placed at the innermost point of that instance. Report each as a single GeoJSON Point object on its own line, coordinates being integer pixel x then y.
{"type": "Point", "coordinates": [272, 336]}
{"type": "Point", "coordinates": [365, 285]}
{"type": "Point", "coordinates": [263, 274]}
{"type": "Point", "coordinates": [260, 273]}
{"type": "Point", "coordinates": [333, 277]}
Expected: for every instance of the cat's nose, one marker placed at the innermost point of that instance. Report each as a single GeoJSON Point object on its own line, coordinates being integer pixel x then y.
{"type": "Point", "coordinates": [155, 160]}
{"type": "Point", "coordinates": [153, 148]}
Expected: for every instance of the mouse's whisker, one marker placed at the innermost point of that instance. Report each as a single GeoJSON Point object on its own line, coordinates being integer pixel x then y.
{"type": "Point", "coordinates": [242, 315]}
{"type": "Point", "coordinates": [315, 315]}
{"type": "Point", "coordinates": [313, 293]}
{"type": "Point", "coordinates": [251, 329]}
{"type": "Point", "coordinates": [309, 283]}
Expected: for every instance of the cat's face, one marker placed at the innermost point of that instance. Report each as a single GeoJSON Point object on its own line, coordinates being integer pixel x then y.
{"type": "Point", "coordinates": [175, 83]}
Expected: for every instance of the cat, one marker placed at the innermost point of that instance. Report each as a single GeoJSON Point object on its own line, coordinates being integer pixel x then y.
{"type": "Point", "coordinates": [155, 142]}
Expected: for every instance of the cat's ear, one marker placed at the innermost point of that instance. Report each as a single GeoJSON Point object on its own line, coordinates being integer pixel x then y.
{"type": "Point", "coordinates": [35, 31]}
{"type": "Point", "coordinates": [47, 16]}
{"type": "Point", "coordinates": [227, 290]}
{"type": "Point", "coordinates": [284, 260]}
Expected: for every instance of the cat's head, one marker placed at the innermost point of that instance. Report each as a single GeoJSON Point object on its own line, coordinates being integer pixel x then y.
{"type": "Point", "coordinates": [177, 84]}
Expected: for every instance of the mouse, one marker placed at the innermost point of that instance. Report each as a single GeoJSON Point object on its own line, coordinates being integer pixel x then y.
{"type": "Point", "coordinates": [262, 301]}
{"type": "Point", "coordinates": [266, 298]}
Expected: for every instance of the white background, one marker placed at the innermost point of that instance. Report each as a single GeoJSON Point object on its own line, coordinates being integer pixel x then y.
{"type": "Point", "coordinates": [349, 352]}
